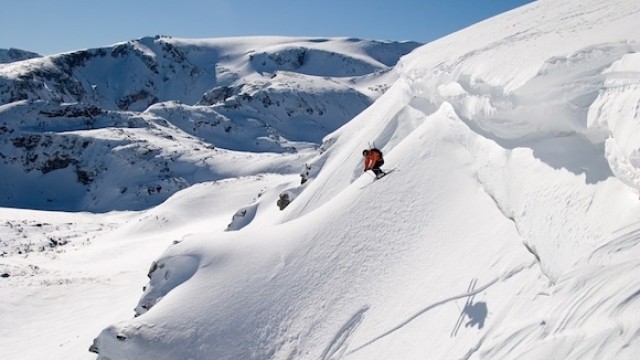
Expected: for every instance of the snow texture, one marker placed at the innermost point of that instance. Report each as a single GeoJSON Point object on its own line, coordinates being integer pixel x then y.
{"type": "Point", "coordinates": [509, 231]}
{"type": "Point", "coordinates": [175, 112]}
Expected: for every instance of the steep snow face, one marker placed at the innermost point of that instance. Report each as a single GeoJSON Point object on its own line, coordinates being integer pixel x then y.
{"type": "Point", "coordinates": [513, 210]}
{"type": "Point", "coordinates": [548, 118]}
{"type": "Point", "coordinates": [125, 127]}
{"type": "Point", "coordinates": [594, 74]}
{"type": "Point", "coordinates": [564, 98]}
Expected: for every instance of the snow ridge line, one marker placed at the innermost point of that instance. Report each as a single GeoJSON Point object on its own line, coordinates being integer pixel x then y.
{"type": "Point", "coordinates": [436, 304]}
{"type": "Point", "coordinates": [530, 248]}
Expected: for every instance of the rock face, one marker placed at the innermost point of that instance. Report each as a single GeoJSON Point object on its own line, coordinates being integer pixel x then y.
{"type": "Point", "coordinates": [124, 127]}
{"type": "Point", "coordinates": [283, 201]}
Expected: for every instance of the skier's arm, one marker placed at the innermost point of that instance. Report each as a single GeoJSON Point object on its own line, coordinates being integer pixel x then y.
{"type": "Point", "coordinates": [368, 163]}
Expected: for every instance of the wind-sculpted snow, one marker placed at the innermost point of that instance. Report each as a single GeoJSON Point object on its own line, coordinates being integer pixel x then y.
{"type": "Point", "coordinates": [513, 211]}
{"type": "Point", "coordinates": [164, 277]}
{"type": "Point", "coordinates": [618, 98]}
{"type": "Point", "coordinates": [593, 78]}
{"type": "Point", "coordinates": [568, 106]}
{"type": "Point", "coordinates": [508, 230]}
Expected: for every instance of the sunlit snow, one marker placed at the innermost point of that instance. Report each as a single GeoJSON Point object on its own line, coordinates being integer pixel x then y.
{"type": "Point", "coordinates": [510, 228]}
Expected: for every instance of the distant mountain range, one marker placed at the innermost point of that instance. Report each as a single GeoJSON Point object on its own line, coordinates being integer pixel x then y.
{"type": "Point", "coordinates": [123, 127]}
{"type": "Point", "coordinates": [13, 55]}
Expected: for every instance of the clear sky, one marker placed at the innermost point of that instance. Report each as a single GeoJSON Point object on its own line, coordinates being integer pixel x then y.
{"type": "Point", "coordinates": [54, 26]}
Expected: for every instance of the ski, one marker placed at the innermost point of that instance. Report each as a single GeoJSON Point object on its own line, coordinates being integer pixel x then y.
{"type": "Point", "coordinates": [385, 173]}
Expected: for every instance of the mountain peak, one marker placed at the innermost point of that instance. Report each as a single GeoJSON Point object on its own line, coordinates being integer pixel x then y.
{"type": "Point", "coordinates": [13, 55]}
{"type": "Point", "coordinates": [252, 94]}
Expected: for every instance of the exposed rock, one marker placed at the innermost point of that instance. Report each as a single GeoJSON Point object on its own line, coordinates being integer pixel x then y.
{"type": "Point", "coordinates": [284, 201]}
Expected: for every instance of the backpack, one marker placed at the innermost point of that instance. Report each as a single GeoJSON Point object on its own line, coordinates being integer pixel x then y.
{"type": "Point", "coordinates": [378, 151]}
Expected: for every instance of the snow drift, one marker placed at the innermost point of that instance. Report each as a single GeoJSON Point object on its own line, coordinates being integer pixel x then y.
{"type": "Point", "coordinates": [514, 211]}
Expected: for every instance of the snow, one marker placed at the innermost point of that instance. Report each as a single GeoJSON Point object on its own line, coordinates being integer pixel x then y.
{"type": "Point", "coordinates": [508, 231]}
{"type": "Point", "coordinates": [190, 113]}
{"type": "Point", "coordinates": [13, 55]}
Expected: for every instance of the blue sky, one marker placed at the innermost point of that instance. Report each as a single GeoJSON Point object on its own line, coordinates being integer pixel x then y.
{"type": "Point", "coordinates": [49, 26]}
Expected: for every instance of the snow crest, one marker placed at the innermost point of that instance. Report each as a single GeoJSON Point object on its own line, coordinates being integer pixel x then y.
{"type": "Point", "coordinates": [509, 229]}
{"type": "Point", "coordinates": [516, 147]}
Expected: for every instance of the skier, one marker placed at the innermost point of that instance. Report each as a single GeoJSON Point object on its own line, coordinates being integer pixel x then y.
{"type": "Point", "coordinates": [372, 161]}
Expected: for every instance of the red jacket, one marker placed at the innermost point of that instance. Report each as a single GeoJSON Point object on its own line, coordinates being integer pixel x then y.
{"type": "Point", "coordinates": [372, 157]}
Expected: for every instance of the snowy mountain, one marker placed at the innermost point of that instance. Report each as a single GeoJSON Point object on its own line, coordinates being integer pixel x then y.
{"type": "Point", "coordinates": [124, 127]}
{"type": "Point", "coordinates": [13, 55]}
{"type": "Point", "coordinates": [508, 230]}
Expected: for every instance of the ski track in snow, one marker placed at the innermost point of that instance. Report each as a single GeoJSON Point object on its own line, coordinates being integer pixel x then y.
{"type": "Point", "coordinates": [623, 241]}
{"type": "Point", "coordinates": [519, 129]}
{"type": "Point", "coordinates": [419, 313]}
{"type": "Point", "coordinates": [339, 344]}
{"type": "Point", "coordinates": [472, 286]}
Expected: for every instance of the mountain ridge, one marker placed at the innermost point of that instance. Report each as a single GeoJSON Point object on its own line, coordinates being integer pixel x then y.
{"type": "Point", "coordinates": [224, 96]}
{"type": "Point", "coordinates": [13, 55]}
{"type": "Point", "coordinates": [508, 231]}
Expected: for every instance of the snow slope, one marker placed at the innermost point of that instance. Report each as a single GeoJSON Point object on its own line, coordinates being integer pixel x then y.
{"type": "Point", "coordinates": [126, 126]}
{"type": "Point", "coordinates": [508, 231]}
{"type": "Point", "coordinates": [514, 211]}
{"type": "Point", "coordinates": [54, 300]}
